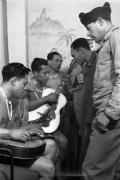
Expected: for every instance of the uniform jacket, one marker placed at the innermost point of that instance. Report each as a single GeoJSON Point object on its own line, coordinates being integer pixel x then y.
{"type": "Point", "coordinates": [106, 92]}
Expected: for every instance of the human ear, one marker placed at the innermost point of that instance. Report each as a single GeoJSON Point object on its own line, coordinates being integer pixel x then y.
{"type": "Point", "coordinates": [49, 61]}
{"type": "Point", "coordinates": [82, 50]}
{"type": "Point", "coordinates": [13, 81]}
{"type": "Point", "coordinates": [35, 73]}
{"type": "Point", "coordinates": [100, 21]}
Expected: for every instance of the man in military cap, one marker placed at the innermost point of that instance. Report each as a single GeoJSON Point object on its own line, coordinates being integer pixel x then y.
{"type": "Point", "coordinates": [102, 161]}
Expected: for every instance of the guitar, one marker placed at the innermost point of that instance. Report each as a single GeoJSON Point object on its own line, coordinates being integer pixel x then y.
{"type": "Point", "coordinates": [30, 149]}
{"type": "Point", "coordinates": [49, 116]}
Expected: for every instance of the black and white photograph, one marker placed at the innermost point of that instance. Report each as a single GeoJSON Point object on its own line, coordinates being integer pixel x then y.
{"type": "Point", "coordinates": [59, 90]}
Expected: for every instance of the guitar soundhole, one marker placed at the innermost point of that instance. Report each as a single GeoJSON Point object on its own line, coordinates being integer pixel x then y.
{"type": "Point", "coordinates": [46, 118]}
{"type": "Point", "coordinates": [45, 123]}
{"type": "Point", "coordinates": [51, 115]}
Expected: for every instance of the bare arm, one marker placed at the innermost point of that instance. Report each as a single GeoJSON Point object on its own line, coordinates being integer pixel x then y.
{"type": "Point", "coordinates": [37, 103]}
{"type": "Point", "coordinates": [4, 132]}
{"type": "Point", "coordinates": [52, 97]}
{"type": "Point", "coordinates": [3, 120]}
{"type": "Point", "coordinates": [18, 134]}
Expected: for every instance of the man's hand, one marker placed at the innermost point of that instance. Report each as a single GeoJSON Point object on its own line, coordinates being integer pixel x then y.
{"type": "Point", "coordinates": [52, 97]}
{"type": "Point", "coordinates": [103, 119]}
{"type": "Point", "coordinates": [19, 134]}
{"type": "Point", "coordinates": [37, 132]}
{"type": "Point", "coordinates": [102, 122]}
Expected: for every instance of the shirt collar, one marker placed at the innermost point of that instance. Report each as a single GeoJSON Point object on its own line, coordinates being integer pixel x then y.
{"type": "Point", "coordinates": [109, 32]}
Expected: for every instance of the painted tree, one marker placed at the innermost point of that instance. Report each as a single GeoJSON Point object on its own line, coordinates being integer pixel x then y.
{"type": "Point", "coordinates": [65, 37]}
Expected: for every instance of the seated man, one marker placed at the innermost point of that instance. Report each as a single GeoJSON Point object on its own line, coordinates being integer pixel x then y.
{"type": "Point", "coordinates": [20, 118]}
{"type": "Point", "coordinates": [41, 77]}
{"type": "Point", "coordinates": [15, 79]}
{"type": "Point", "coordinates": [55, 77]}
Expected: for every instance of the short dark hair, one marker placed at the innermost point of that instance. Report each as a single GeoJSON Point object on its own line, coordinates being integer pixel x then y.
{"type": "Point", "coordinates": [37, 63]}
{"type": "Point", "coordinates": [80, 42]}
{"type": "Point", "coordinates": [14, 69]}
{"type": "Point", "coordinates": [52, 54]}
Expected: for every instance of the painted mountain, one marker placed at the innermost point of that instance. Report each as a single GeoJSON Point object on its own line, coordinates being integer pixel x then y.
{"type": "Point", "coordinates": [43, 35]}
{"type": "Point", "coordinates": [45, 26]}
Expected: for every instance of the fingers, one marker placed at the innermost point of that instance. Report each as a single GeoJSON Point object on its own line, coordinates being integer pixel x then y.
{"type": "Point", "coordinates": [25, 136]}
{"type": "Point", "coordinates": [36, 132]}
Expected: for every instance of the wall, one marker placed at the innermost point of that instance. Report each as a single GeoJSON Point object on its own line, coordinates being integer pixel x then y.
{"type": "Point", "coordinates": [16, 30]}
{"type": "Point", "coordinates": [18, 41]}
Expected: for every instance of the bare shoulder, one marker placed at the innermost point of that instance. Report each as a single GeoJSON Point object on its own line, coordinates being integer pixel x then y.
{"type": "Point", "coordinates": [3, 113]}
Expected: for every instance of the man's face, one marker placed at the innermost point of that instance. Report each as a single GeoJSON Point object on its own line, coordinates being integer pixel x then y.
{"type": "Point", "coordinates": [95, 31]}
{"type": "Point", "coordinates": [20, 86]}
{"type": "Point", "coordinates": [56, 62]}
{"type": "Point", "coordinates": [78, 55]}
{"type": "Point", "coordinates": [42, 75]}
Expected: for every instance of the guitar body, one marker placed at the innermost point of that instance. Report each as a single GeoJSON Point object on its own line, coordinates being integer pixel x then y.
{"type": "Point", "coordinates": [28, 150]}
{"type": "Point", "coordinates": [38, 113]}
